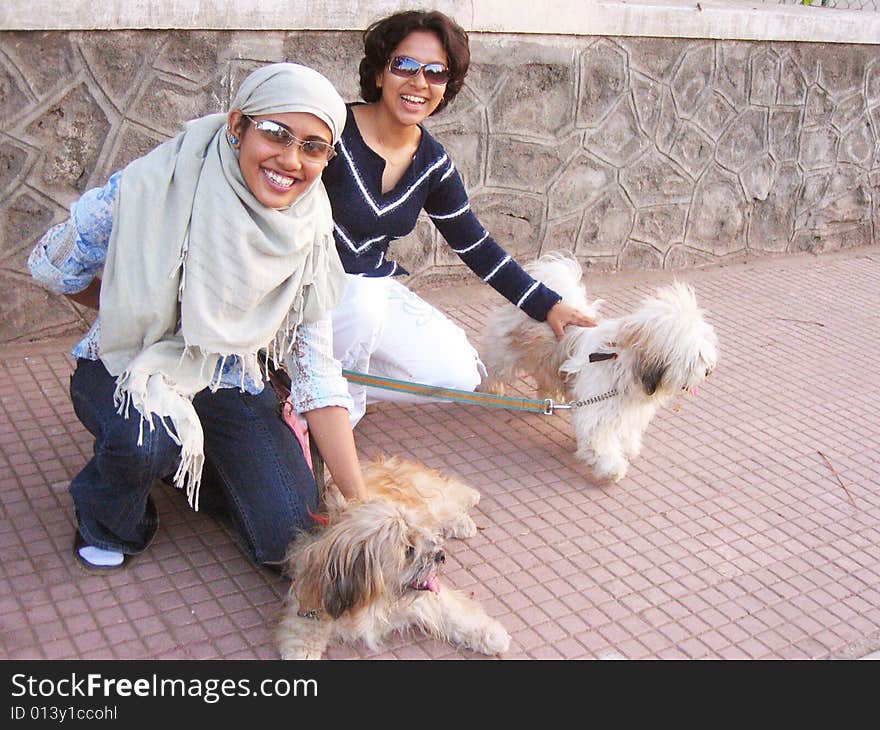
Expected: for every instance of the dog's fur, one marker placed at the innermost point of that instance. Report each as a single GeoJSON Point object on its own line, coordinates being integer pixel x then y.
{"type": "Point", "coordinates": [374, 568]}
{"type": "Point", "coordinates": [664, 347]}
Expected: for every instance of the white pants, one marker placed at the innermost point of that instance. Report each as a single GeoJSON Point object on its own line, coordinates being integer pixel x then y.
{"type": "Point", "coordinates": [382, 328]}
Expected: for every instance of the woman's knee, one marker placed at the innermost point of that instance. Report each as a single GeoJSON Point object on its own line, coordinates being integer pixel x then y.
{"type": "Point", "coordinates": [269, 488]}
{"type": "Point", "coordinates": [269, 538]}
{"type": "Point", "coordinates": [446, 359]}
{"type": "Point", "coordinates": [118, 453]}
{"type": "Point", "coordinates": [462, 371]}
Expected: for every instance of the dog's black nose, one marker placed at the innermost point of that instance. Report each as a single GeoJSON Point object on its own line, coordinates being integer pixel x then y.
{"type": "Point", "coordinates": [440, 557]}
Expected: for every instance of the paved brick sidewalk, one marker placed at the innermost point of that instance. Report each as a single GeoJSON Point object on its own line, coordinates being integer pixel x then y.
{"type": "Point", "coordinates": [731, 537]}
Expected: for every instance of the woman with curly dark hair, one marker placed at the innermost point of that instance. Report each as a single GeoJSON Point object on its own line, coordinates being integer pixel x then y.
{"type": "Point", "coordinates": [388, 170]}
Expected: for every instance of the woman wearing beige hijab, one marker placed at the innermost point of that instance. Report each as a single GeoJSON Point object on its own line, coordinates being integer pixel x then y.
{"type": "Point", "coordinates": [215, 246]}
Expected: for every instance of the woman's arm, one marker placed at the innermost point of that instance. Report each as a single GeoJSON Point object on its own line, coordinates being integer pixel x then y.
{"type": "Point", "coordinates": [449, 209]}
{"type": "Point", "coordinates": [563, 314]}
{"type": "Point", "coordinates": [67, 259]}
{"type": "Point", "coordinates": [331, 430]}
{"type": "Point", "coordinates": [320, 394]}
{"type": "Point", "coordinates": [90, 296]}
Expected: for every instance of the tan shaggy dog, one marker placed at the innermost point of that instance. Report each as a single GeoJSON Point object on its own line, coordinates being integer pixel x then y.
{"type": "Point", "coordinates": [374, 568]}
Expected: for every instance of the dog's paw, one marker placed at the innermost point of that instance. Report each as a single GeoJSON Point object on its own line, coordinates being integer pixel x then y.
{"type": "Point", "coordinates": [494, 640]}
{"type": "Point", "coordinates": [631, 448]}
{"type": "Point", "coordinates": [472, 496]}
{"type": "Point", "coordinates": [610, 471]}
{"type": "Point", "coordinates": [463, 526]}
{"type": "Point", "coordinates": [605, 466]}
{"type": "Point", "coordinates": [300, 653]}
{"type": "Point", "coordinates": [493, 386]}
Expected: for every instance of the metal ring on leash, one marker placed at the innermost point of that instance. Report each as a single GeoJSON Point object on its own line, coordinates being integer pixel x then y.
{"type": "Point", "coordinates": [550, 407]}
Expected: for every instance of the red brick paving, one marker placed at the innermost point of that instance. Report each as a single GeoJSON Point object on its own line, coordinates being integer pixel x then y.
{"type": "Point", "coordinates": [731, 537]}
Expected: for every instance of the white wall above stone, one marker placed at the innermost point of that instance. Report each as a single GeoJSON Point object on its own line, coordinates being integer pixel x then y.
{"type": "Point", "coordinates": [718, 19]}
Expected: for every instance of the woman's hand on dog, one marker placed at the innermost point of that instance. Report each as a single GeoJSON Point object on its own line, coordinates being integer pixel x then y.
{"type": "Point", "coordinates": [561, 315]}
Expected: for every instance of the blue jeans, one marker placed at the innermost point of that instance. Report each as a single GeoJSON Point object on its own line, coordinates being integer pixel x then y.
{"type": "Point", "coordinates": [253, 463]}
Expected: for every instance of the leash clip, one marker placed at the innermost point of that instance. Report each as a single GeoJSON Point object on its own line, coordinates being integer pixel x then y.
{"type": "Point", "coordinates": [550, 406]}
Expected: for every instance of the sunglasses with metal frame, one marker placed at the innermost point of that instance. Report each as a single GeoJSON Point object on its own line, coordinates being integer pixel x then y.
{"type": "Point", "coordinates": [313, 150]}
{"type": "Point", "coordinates": [406, 67]}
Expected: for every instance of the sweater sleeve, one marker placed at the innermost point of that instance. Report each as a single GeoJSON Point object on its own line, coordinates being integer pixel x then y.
{"type": "Point", "coordinates": [449, 209]}
{"type": "Point", "coordinates": [69, 255]}
{"type": "Point", "coordinates": [316, 376]}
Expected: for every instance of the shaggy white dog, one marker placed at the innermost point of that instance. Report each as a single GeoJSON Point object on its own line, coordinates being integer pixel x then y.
{"type": "Point", "coordinates": [374, 568]}
{"type": "Point", "coordinates": [615, 375]}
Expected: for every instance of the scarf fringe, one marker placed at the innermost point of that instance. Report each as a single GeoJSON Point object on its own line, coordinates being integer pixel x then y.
{"type": "Point", "coordinates": [218, 372]}
{"type": "Point", "coordinates": [183, 429]}
{"type": "Point", "coordinates": [283, 342]}
{"type": "Point", "coordinates": [121, 396]}
{"type": "Point", "coordinates": [189, 475]}
{"type": "Point", "coordinates": [132, 391]}
{"type": "Point", "coordinates": [171, 434]}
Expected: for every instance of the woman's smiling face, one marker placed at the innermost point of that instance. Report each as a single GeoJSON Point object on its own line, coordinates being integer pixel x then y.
{"type": "Point", "coordinates": [411, 100]}
{"type": "Point", "coordinates": [275, 174]}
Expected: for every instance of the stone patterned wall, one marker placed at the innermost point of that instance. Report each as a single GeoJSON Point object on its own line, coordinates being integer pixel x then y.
{"type": "Point", "coordinates": [631, 152]}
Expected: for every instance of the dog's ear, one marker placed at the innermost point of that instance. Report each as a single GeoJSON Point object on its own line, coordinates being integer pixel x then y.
{"type": "Point", "coordinates": [347, 588]}
{"type": "Point", "coordinates": [651, 374]}
{"type": "Point", "coordinates": [331, 573]}
{"type": "Point", "coordinates": [635, 335]}
{"type": "Point", "coordinates": [363, 551]}
{"type": "Point", "coordinates": [344, 566]}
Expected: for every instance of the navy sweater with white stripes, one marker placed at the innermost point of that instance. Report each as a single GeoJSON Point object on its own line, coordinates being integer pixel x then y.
{"type": "Point", "coordinates": [366, 220]}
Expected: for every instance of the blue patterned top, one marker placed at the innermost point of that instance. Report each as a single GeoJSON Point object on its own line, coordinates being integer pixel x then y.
{"type": "Point", "coordinates": [368, 220]}
{"type": "Point", "coordinates": [71, 254]}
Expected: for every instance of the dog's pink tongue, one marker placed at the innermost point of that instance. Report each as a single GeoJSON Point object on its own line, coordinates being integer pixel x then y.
{"type": "Point", "coordinates": [695, 391]}
{"type": "Point", "coordinates": [433, 584]}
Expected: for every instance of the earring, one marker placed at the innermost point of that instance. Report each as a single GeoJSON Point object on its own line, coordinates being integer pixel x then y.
{"type": "Point", "coordinates": [233, 140]}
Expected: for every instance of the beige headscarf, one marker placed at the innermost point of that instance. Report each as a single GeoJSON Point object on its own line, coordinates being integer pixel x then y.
{"type": "Point", "coordinates": [190, 243]}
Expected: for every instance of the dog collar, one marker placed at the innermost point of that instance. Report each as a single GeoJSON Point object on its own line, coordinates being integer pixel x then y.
{"type": "Point", "coordinates": [599, 356]}
{"type": "Point", "coordinates": [309, 614]}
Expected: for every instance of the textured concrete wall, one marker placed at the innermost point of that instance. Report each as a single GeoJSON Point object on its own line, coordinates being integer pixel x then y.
{"type": "Point", "coordinates": [722, 19]}
{"type": "Point", "coordinates": [631, 152]}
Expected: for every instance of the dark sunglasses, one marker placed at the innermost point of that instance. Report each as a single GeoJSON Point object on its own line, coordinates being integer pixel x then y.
{"type": "Point", "coordinates": [313, 150]}
{"type": "Point", "coordinates": [406, 67]}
